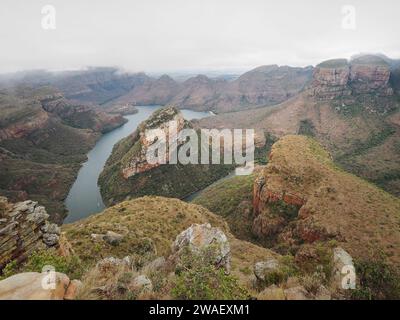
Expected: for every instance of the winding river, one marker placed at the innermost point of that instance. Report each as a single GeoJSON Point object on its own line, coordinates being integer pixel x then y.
{"type": "Point", "coordinates": [84, 198]}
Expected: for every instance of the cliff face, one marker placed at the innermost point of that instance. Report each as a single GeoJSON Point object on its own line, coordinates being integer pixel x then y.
{"type": "Point", "coordinates": [23, 229]}
{"type": "Point", "coordinates": [370, 73]}
{"type": "Point", "coordinates": [339, 78]}
{"type": "Point", "coordinates": [136, 162]}
{"type": "Point", "coordinates": [330, 79]}
{"type": "Point", "coordinates": [301, 197]}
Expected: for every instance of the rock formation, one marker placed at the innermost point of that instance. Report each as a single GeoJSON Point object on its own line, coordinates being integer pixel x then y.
{"type": "Point", "coordinates": [39, 286]}
{"type": "Point", "coordinates": [132, 175]}
{"type": "Point", "coordinates": [339, 78]}
{"type": "Point", "coordinates": [301, 197]}
{"type": "Point", "coordinates": [137, 162]}
{"type": "Point", "coordinates": [23, 229]}
{"type": "Point", "coordinates": [199, 237]}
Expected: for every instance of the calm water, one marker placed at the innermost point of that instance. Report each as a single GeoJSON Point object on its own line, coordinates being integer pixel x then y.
{"type": "Point", "coordinates": [84, 197]}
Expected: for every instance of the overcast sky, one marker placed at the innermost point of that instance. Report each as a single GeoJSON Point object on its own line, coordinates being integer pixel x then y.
{"type": "Point", "coordinates": [178, 35]}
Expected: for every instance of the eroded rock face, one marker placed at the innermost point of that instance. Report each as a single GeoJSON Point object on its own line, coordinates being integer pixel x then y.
{"type": "Point", "coordinates": [370, 74]}
{"type": "Point", "coordinates": [330, 79]}
{"type": "Point", "coordinates": [340, 78]}
{"type": "Point", "coordinates": [201, 236]}
{"type": "Point", "coordinates": [23, 228]}
{"type": "Point", "coordinates": [168, 120]}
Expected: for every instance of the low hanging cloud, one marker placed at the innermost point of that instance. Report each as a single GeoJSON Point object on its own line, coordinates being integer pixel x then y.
{"type": "Point", "coordinates": [171, 35]}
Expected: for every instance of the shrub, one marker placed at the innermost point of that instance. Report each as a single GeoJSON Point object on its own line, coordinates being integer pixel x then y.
{"type": "Point", "coordinates": [286, 269]}
{"type": "Point", "coordinates": [377, 280]}
{"type": "Point", "coordinates": [71, 266]}
{"type": "Point", "coordinates": [207, 283]}
{"type": "Point", "coordinates": [199, 279]}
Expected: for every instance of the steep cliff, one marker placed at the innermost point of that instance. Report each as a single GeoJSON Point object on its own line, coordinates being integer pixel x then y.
{"type": "Point", "coordinates": [362, 75]}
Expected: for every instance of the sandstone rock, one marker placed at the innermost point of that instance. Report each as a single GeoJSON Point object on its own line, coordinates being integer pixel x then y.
{"type": "Point", "coordinates": [200, 236]}
{"type": "Point", "coordinates": [113, 238]}
{"type": "Point", "coordinates": [262, 268]}
{"type": "Point", "coordinates": [72, 290]}
{"type": "Point", "coordinates": [24, 229]}
{"type": "Point", "coordinates": [296, 293]}
{"type": "Point", "coordinates": [141, 284]}
{"type": "Point", "coordinates": [330, 79]}
{"type": "Point", "coordinates": [34, 286]}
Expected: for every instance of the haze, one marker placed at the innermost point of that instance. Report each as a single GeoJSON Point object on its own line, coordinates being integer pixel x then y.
{"type": "Point", "coordinates": [173, 35]}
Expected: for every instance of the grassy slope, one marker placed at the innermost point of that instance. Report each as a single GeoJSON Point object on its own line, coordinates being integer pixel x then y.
{"type": "Point", "coordinates": [160, 220]}
{"type": "Point", "coordinates": [365, 218]}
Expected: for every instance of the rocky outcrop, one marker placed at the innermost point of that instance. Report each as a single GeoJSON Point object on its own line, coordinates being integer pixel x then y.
{"type": "Point", "coordinates": [137, 162]}
{"type": "Point", "coordinates": [370, 74]}
{"type": "Point", "coordinates": [340, 78]}
{"type": "Point", "coordinates": [330, 79]}
{"type": "Point", "coordinates": [302, 198]}
{"type": "Point", "coordinates": [39, 286]}
{"type": "Point", "coordinates": [23, 229]}
{"type": "Point", "coordinates": [200, 237]}
{"type": "Point", "coordinates": [25, 126]}
{"type": "Point", "coordinates": [80, 115]}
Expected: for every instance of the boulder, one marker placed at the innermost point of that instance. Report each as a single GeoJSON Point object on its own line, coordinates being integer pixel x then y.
{"type": "Point", "coordinates": [141, 284]}
{"type": "Point", "coordinates": [50, 239]}
{"type": "Point", "coordinates": [34, 286]}
{"type": "Point", "coordinates": [263, 268]}
{"type": "Point", "coordinates": [113, 238]}
{"type": "Point", "coordinates": [201, 236]}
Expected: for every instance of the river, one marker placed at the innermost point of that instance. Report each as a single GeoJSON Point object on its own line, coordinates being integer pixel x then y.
{"type": "Point", "coordinates": [84, 198]}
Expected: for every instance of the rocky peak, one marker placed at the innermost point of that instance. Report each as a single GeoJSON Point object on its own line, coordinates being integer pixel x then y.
{"type": "Point", "coordinates": [24, 228]}
{"type": "Point", "coordinates": [330, 79]}
{"type": "Point", "coordinates": [136, 161]}
{"type": "Point", "coordinates": [370, 73]}
{"type": "Point", "coordinates": [340, 78]}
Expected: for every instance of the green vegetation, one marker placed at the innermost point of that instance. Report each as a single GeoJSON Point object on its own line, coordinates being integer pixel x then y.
{"type": "Point", "coordinates": [333, 63]}
{"type": "Point", "coordinates": [377, 280]}
{"type": "Point", "coordinates": [198, 279]}
{"type": "Point", "coordinates": [70, 266]}
{"type": "Point", "coordinates": [306, 128]}
{"type": "Point", "coordinates": [286, 269]}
